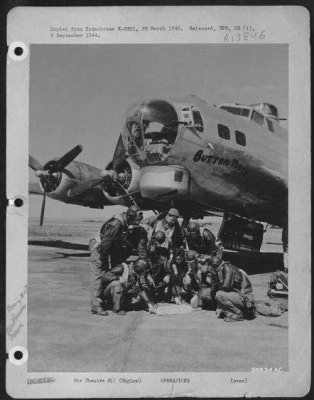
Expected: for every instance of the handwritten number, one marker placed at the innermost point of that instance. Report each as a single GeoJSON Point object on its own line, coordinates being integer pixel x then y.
{"type": "Point", "coordinates": [262, 35]}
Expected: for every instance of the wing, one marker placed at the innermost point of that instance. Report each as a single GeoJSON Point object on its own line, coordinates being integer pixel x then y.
{"type": "Point", "coordinates": [34, 188]}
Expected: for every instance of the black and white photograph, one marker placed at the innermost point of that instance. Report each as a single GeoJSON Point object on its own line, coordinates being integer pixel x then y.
{"type": "Point", "coordinates": [171, 169]}
{"type": "Point", "coordinates": [158, 214]}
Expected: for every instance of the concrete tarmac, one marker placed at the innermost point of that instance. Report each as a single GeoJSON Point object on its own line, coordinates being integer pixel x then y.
{"type": "Point", "coordinates": [64, 336]}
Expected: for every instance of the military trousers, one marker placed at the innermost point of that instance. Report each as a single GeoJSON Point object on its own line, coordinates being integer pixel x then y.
{"type": "Point", "coordinates": [231, 303]}
{"type": "Point", "coordinates": [113, 295]}
{"type": "Point", "coordinates": [206, 300]}
{"type": "Point", "coordinates": [97, 268]}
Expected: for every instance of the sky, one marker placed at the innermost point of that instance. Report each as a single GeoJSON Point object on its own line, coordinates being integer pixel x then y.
{"type": "Point", "coordinates": [79, 93]}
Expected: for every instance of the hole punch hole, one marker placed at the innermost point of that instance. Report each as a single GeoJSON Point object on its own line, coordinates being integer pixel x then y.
{"type": "Point", "coordinates": [18, 51]}
{"type": "Point", "coordinates": [18, 355]}
{"type": "Point", "coordinates": [18, 202]}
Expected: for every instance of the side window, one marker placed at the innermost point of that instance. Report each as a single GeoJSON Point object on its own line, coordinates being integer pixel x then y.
{"type": "Point", "coordinates": [232, 110]}
{"type": "Point", "coordinates": [245, 112]}
{"type": "Point", "coordinates": [270, 125]}
{"type": "Point", "coordinates": [198, 122]}
{"type": "Point", "coordinates": [223, 132]}
{"type": "Point", "coordinates": [240, 138]}
{"type": "Point", "coordinates": [258, 118]}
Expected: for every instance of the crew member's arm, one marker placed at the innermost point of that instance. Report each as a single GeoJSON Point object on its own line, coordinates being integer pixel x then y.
{"type": "Point", "coordinates": [108, 236]}
{"type": "Point", "coordinates": [210, 240]}
{"type": "Point", "coordinates": [142, 248]}
{"type": "Point", "coordinates": [227, 279]}
{"type": "Point", "coordinates": [112, 275]}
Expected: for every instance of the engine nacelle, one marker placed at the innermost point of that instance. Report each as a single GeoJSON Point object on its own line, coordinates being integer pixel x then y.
{"type": "Point", "coordinates": [164, 182]}
{"type": "Point", "coordinates": [134, 181]}
{"type": "Point", "coordinates": [75, 179]}
{"type": "Point", "coordinates": [121, 192]}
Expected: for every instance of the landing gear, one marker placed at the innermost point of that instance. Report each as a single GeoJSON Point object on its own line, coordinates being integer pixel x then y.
{"type": "Point", "coordinates": [241, 234]}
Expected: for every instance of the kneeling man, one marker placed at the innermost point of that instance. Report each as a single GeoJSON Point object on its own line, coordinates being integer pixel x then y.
{"type": "Point", "coordinates": [113, 290]}
{"type": "Point", "coordinates": [234, 294]}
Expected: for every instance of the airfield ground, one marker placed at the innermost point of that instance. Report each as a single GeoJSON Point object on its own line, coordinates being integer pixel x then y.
{"type": "Point", "coordinates": [64, 336]}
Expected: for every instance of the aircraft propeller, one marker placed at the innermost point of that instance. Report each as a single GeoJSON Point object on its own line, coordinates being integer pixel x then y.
{"type": "Point", "coordinates": [47, 173]}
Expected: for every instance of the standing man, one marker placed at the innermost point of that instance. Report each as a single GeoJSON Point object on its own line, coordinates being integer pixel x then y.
{"type": "Point", "coordinates": [204, 243]}
{"type": "Point", "coordinates": [168, 223]}
{"type": "Point", "coordinates": [110, 249]}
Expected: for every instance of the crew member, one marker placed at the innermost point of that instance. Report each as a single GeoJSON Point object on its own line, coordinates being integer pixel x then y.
{"type": "Point", "coordinates": [159, 255]}
{"type": "Point", "coordinates": [109, 249]}
{"type": "Point", "coordinates": [234, 294]}
{"type": "Point", "coordinates": [140, 288]}
{"type": "Point", "coordinates": [190, 283]}
{"type": "Point", "coordinates": [168, 223]}
{"type": "Point", "coordinates": [113, 295]}
{"type": "Point", "coordinates": [207, 281]}
{"type": "Point", "coordinates": [204, 243]}
{"type": "Point", "coordinates": [178, 270]}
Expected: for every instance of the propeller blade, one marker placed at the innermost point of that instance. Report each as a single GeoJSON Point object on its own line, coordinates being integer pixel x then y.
{"type": "Point", "coordinates": [66, 159]}
{"type": "Point", "coordinates": [41, 173]}
{"type": "Point", "coordinates": [42, 211]}
{"type": "Point", "coordinates": [34, 164]}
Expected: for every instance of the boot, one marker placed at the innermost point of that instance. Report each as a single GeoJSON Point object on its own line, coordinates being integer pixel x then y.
{"type": "Point", "coordinates": [99, 311]}
{"type": "Point", "coordinates": [121, 312]}
{"type": "Point", "coordinates": [234, 318]}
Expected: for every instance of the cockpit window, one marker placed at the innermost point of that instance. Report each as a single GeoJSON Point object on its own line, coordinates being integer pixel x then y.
{"type": "Point", "coordinates": [244, 112]}
{"type": "Point", "coordinates": [150, 131]}
{"type": "Point", "coordinates": [135, 132]}
{"type": "Point", "coordinates": [258, 118]}
{"type": "Point", "coordinates": [270, 125]}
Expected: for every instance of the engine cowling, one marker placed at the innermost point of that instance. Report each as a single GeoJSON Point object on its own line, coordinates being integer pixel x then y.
{"type": "Point", "coordinates": [121, 193]}
{"type": "Point", "coordinates": [164, 182]}
{"type": "Point", "coordinates": [73, 180]}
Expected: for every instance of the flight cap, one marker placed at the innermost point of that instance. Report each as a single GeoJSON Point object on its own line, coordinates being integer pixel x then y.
{"type": "Point", "coordinates": [193, 227]}
{"type": "Point", "coordinates": [133, 211]}
{"type": "Point", "coordinates": [191, 255]}
{"type": "Point", "coordinates": [159, 236]}
{"type": "Point", "coordinates": [174, 212]}
{"type": "Point", "coordinates": [140, 265]}
{"type": "Point", "coordinates": [215, 261]}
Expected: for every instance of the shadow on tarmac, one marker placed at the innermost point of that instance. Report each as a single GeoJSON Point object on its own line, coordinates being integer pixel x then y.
{"type": "Point", "coordinates": [66, 255]}
{"type": "Point", "coordinates": [252, 263]}
{"type": "Point", "coordinates": [58, 243]}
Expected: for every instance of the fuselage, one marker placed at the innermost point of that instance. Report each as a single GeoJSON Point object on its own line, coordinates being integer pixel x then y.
{"type": "Point", "coordinates": [236, 163]}
{"type": "Point", "coordinates": [188, 154]}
